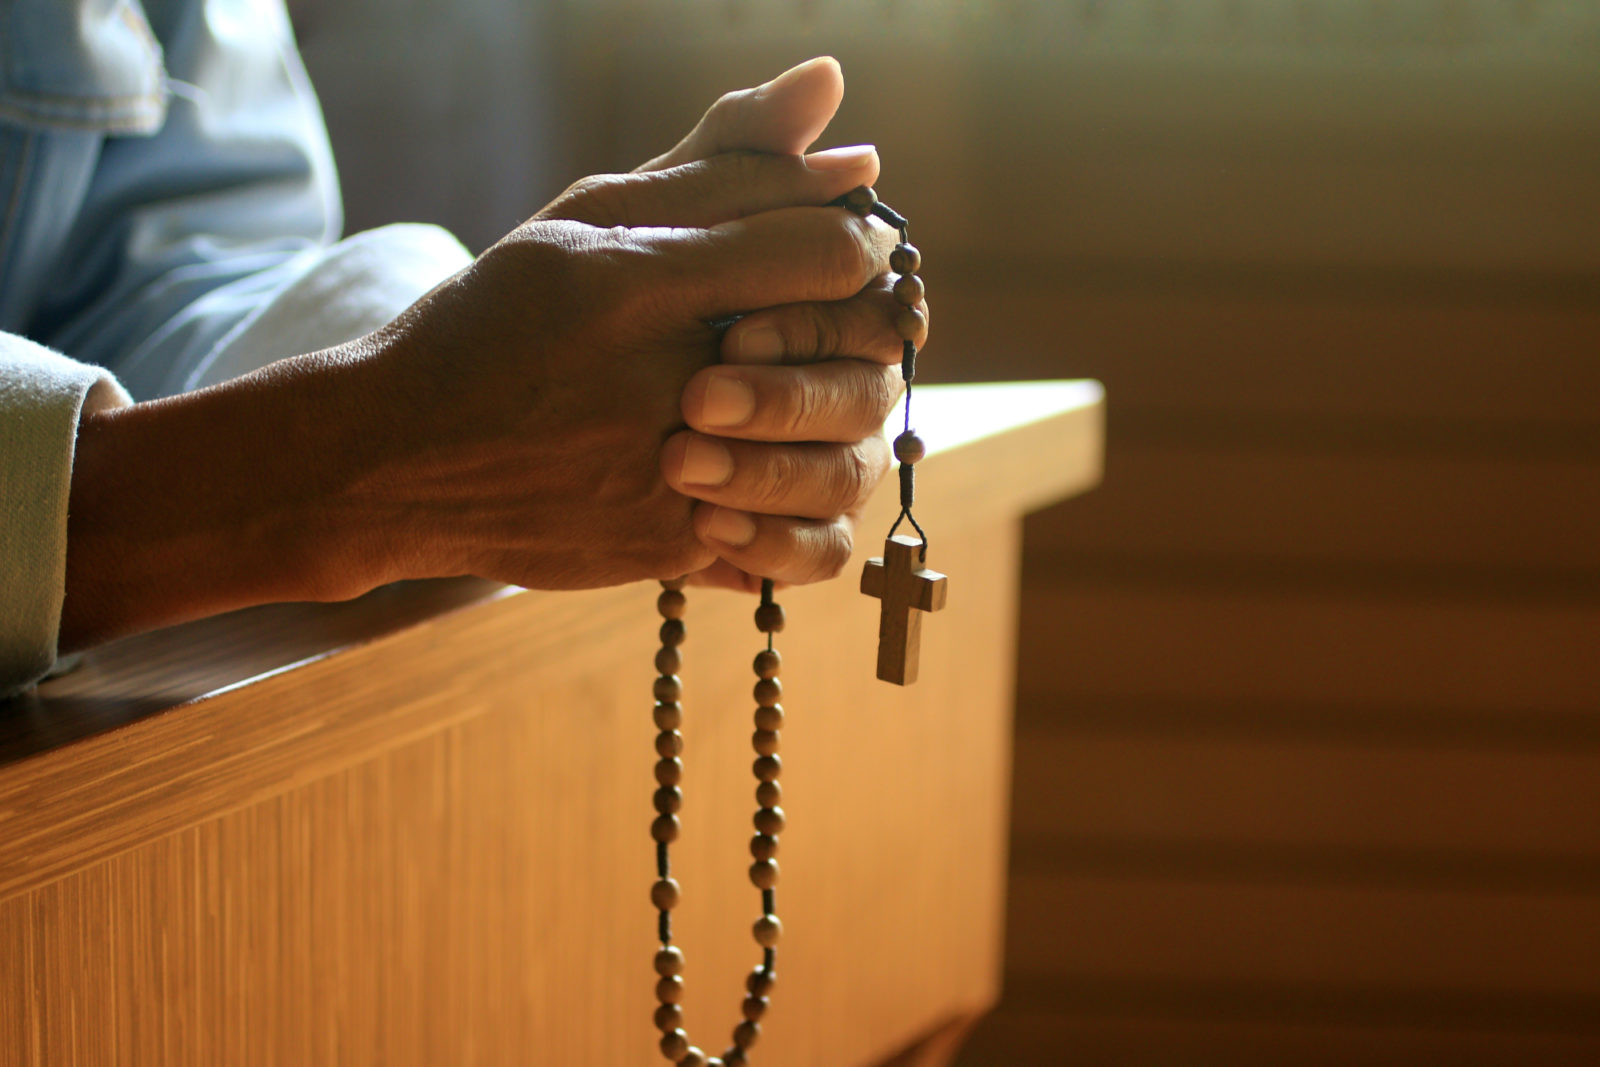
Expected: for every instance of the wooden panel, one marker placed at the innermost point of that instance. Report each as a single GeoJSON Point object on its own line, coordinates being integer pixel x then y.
{"type": "Point", "coordinates": [1342, 360]}
{"type": "Point", "coordinates": [1327, 648]}
{"type": "Point", "coordinates": [442, 898]}
{"type": "Point", "coordinates": [1135, 1039]}
{"type": "Point", "coordinates": [1221, 932]}
{"type": "Point", "coordinates": [1337, 806]}
{"type": "Point", "coordinates": [429, 845]}
{"type": "Point", "coordinates": [1505, 526]}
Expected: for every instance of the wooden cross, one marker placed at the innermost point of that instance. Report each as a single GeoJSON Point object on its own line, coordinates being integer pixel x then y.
{"type": "Point", "coordinates": [907, 589]}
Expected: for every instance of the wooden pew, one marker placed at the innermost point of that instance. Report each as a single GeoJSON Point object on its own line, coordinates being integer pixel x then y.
{"type": "Point", "coordinates": [413, 829]}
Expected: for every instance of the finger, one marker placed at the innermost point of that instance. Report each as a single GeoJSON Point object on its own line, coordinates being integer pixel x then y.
{"type": "Point", "coordinates": [796, 551]}
{"type": "Point", "coordinates": [806, 481]}
{"type": "Point", "coordinates": [788, 256]}
{"type": "Point", "coordinates": [783, 116]}
{"type": "Point", "coordinates": [862, 327]}
{"type": "Point", "coordinates": [840, 400]}
{"type": "Point", "coordinates": [724, 575]}
{"type": "Point", "coordinates": [708, 192]}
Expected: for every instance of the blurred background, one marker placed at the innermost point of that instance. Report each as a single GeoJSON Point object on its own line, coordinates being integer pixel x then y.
{"type": "Point", "coordinates": [1308, 760]}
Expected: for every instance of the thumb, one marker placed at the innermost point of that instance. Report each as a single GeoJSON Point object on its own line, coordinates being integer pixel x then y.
{"type": "Point", "coordinates": [784, 116]}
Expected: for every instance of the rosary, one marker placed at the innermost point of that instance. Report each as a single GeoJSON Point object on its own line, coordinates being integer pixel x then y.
{"type": "Point", "coordinates": [906, 588]}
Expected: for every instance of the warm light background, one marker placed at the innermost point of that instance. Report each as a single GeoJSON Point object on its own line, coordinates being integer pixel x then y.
{"type": "Point", "coordinates": [1309, 717]}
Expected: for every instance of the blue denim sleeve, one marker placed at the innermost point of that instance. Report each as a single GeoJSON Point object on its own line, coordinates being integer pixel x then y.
{"type": "Point", "coordinates": [168, 171]}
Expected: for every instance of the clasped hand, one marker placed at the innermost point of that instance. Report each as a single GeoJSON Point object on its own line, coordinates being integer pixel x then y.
{"type": "Point", "coordinates": [583, 421]}
{"type": "Point", "coordinates": [564, 413]}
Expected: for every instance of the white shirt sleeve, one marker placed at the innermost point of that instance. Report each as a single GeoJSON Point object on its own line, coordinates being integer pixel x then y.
{"type": "Point", "coordinates": [42, 397]}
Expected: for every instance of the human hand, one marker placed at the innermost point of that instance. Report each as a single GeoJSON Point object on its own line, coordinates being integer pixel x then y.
{"type": "Point", "coordinates": [533, 392]}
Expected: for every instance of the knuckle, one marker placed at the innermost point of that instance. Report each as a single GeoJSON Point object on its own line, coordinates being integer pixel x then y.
{"type": "Point", "coordinates": [827, 339]}
{"type": "Point", "coordinates": [850, 256]}
{"type": "Point", "coordinates": [833, 554]}
{"type": "Point", "coordinates": [802, 401]}
{"type": "Point", "coordinates": [597, 198]}
{"type": "Point", "coordinates": [785, 468]}
{"type": "Point", "coordinates": [857, 474]}
{"type": "Point", "coordinates": [880, 389]}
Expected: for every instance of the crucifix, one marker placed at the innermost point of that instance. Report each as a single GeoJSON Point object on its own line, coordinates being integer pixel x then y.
{"type": "Point", "coordinates": [907, 589]}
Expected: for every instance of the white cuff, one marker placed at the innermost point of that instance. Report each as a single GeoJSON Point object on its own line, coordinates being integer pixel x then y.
{"type": "Point", "coordinates": [42, 397]}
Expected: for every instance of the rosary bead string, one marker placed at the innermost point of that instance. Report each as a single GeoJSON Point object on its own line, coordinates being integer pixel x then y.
{"type": "Point", "coordinates": [769, 820]}
{"type": "Point", "coordinates": [910, 323]}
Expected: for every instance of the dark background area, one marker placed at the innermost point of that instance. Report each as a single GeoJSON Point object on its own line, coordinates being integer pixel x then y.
{"type": "Point", "coordinates": [1308, 763]}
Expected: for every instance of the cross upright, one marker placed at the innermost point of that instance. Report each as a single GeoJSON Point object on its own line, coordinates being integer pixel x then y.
{"type": "Point", "coordinates": [907, 589]}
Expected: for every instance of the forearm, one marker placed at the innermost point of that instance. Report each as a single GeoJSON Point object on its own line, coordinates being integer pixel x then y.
{"type": "Point", "coordinates": [220, 499]}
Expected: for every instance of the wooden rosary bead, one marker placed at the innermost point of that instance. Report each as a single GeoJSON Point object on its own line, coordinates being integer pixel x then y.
{"type": "Point", "coordinates": [754, 1008]}
{"type": "Point", "coordinates": [715, 1061]}
{"type": "Point", "coordinates": [669, 771]}
{"type": "Point", "coordinates": [669, 743]}
{"type": "Point", "coordinates": [764, 847]}
{"type": "Point", "coordinates": [670, 990]}
{"type": "Point", "coordinates": [908, 291]}
{"type": "Point", "coordinates": [674, 584]}
{"type": "Point", "coordinates": [672, 603]}
{"type": "Point", "coordinates": [674, 1045]}
{"type": "Point", "coordinates": [905, 259]}
{"type": "Point", "coordinates": [669, 1017]}
{"type": "Point", "coordinates": [768, 691]}
{"type": "Point", "coordinates": [767, 768]}
{"type": "Point", "coordinates": [668, 688]}
{"type": "Point", "coordinates": [765, 742]}
{"type": "Point", "coordinates": [769, 718]}
{"type": "Point", "coordinates": [669, 961]}
{"type": "Point", "coordinates": [767, 662]}
{"type": "Point", "coordinates": [693, 1058]}
{"type": "Point", "coordinates": [769, 794]}
{"type": "Point", "coordinates": [761, 981]}
{"type": "Point", "coordinates": [764, 874]}
{"type": "Point", "coordinates": [767, 930]}
{"type": "Point", "coordinates": [669, 799]}
{"type": "Point", "coordinates": [746, 1033]}
{"type": "Point", "coordinates": [769, 618]}
{"type": "Point", "coordinates": [668, 716]}
{"type": "Point", "coordinates": [668, 661]}
{"type": "Point", "coordinates": [735, 1057]}
{"type": "Point", "coordinates": [861, 200]}
{"type": "Point", "coordinates": [665, 894]}
{"type": "Point", "coordinates": [665, 829]}
{"type": "Point", "coordinates": [769, 821]}
{"type": "Point", "coordinates": [672, 633]}
{"type": "Point", "coordinates": [908, 447]}
{"type": "Point", "coordinates": [911, 325]}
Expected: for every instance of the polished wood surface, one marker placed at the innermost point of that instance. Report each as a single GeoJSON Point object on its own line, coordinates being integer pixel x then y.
{"type": "Point", "coordinates": [413, 829]}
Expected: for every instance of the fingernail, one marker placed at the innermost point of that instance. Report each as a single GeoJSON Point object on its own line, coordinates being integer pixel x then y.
{"type": "Point", "coordinates": [851, 157]}
{"type": "Point", "coordinates": [731, 527]}
{"type": "Point", "coordinates": [796, 70]}
{"type": "Point", "coordinates": [729, 401]}
{"type": "Point", "coordinates": [760, 344]}
{"type": "Point", "coordinates": [705, 462]}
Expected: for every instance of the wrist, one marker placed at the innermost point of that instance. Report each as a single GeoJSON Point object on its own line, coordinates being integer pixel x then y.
{"type": "Point", "coordinates": [215, 500]}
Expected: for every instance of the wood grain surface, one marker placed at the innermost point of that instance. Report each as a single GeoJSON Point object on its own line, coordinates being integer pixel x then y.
{"type": "Point", "coordinates": [414, 830]}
